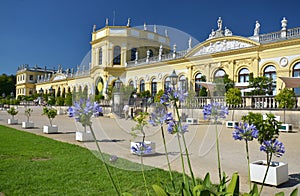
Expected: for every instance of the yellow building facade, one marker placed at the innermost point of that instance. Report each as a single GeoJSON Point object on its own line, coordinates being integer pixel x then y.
{"type": "Point", "coordinates": [144, 59]}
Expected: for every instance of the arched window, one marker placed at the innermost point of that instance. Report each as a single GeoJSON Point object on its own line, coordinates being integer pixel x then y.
{"type": "Point", "coordinates": [153, 87]}
{"type": "Point", "coordinates": [142, 86]}
{"type": "Point", "coordinates": [117, 55]}
{"type": "Point", "coordinates": [100, 56]}
{"type": "Point", "coordinates": [133, 54]}
{"type": "Point", "coordinates": [270, 72]}
{"type": "Point", "coordinates": [198, 78]}
{"type": "Point", "coordinates": [167, 83]}
{"type": "Point", "coordinates": [296, 73]}
{"type": "Point", "coordinates": [131, 84]}
{"type": "Point", "coordinates": [219, 74]}
{"type": "Point", "coordinates": [151, 53]}
{"type": "Point", "coordinates": [244, 75]}
{"type": "Point", "coordinates": [182, 83]}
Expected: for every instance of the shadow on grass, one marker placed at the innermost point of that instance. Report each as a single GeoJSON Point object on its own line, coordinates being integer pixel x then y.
{"type": "Point", "coordinates": [294, 179]}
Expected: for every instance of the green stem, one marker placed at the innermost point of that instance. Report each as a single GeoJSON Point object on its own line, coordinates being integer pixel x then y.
{"type": "Point", "coordinates": [105, 165]}
{"type": "Point", "coordinates": [265, 177]}
{"type": "Point", "coordinates": [145, 182]}
{"type": "Point", "coordinates": [168, 161]}
{"type": "Point", "coordinates": [185, 146]}
{"type": "Point", "coordinates": [218, 153]}
{"type": "Point", "coordinates": [182, 161]}
{"type": "Point", "coordinates": [248, 161]}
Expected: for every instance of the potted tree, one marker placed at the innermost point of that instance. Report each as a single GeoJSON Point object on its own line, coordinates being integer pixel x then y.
{"type": "Point", "coordinates": [233, 97]}
{"type": "Point", "coordinates": [141, 123]}
{"type": "Point", "coordinates": [27, 124]}
{"type": "Point", "coordinates": [12, 111]}
{"type": "Point", "coordinates": [286, 99]}
{"type": "Point", "coordinates": [51, 114]}
{"type": "Point", "coordinates": [268, 171]}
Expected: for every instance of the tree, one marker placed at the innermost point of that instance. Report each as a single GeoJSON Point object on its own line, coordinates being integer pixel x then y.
{"type": "Point", "coordinates": [68, 100]}
{"type": "Point", "coordinates": [233, 97]}
{"type": "Point", "coordinates": [262, 85]}
{"type": "Point", "coordinates": [158, 95]}
{"type": "Point", "coordinates": [8, 84]}
{"type": "Point", "coordinates": [286, 99]}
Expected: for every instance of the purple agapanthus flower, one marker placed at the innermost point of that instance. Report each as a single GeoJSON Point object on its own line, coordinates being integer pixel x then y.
{"type": "Point", "coordinates": [158, 116]}
{"type": "Point", "coordinates": [273, 146]}
{"type": "Point", "coordinates": [84, 110]}
{"type": "Point", "coordinates": [180, 94]}
{"type": "Point", "coordinates": [173, 95]}
{"type": "Point", "coordinates": [244, 131]}
{"type": "Point", "coordinates": [215, 111]}
{"type": "Point", "coordinates": [141, 148]}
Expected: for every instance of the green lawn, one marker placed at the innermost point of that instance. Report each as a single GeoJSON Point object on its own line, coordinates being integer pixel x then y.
{"type": "Point", "coordinates": [36, 165]}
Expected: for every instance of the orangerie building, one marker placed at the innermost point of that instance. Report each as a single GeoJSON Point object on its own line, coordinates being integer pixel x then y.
{"type": "Point", "coordinates": [144, 59]}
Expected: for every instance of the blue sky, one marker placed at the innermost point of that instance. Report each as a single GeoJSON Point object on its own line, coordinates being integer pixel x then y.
{"type": "Point", "coordinates": [53, 32]}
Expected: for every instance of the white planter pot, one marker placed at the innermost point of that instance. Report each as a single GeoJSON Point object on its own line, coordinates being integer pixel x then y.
{"type": "Point", "coordinates": [84, 136]}
{"type": "Point", "coordinates": [148, 143]}
{"type": "Point", "coordinates": [277, 174]}
{"type": "Point", "coordinates": [286, 127]}
{"type": "Point", "coordinates": [49, 129]}
{"type": "Point", "coordinates": [191, 121]}
{"type": "Point", "coordinates": [26, 125]}
{"type": "Point", "coordinates": [231, 124]}
{"type": "Point", "coordinates": [12, 121]}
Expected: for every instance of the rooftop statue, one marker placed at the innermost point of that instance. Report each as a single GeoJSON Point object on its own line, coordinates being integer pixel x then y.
{"type": "Point", "coordinates": [256, 29]}
{"type": "Point", "coordinates": [128, 22]}
{"type": "Point", "coordinates": [219, 24]}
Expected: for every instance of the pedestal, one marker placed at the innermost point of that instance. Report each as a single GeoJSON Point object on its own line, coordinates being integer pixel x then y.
{"type": "Point", "coordinates": [277, 174]}
{"type": "Point", "coordinates": [49, 129]}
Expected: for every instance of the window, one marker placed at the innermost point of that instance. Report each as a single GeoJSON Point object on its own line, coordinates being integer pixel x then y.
{"type": "Point", "coordinates": [31, 77]}
{"type": "Point", "coordinates": [117, 55]}
{"type": "Point", "coordinates": [153, 87]}
{"type": "Point", "coordinates": [270, 72]}
{"type": "Point", "coordinates": [131, 84]}
{"type": "Point", "coordinates": [142, 86]}
{"type": "Point", "coordinates": [151, 53]}
{"type": "Point", "coordinates": [100, 56]}
{"type": "Point", "coordinates": [182, 84]}
{"type": "Point", "coordinates": [219, 74]}
{"type": "Point", "coordinates": [244, 75]}
{"type": "Point", "coordinates": [167, 83]}
{"type": "Point", "coordinates": [198, 78]}
{"type": "Point", "coordinates": [296, 73]}
{"type": "Point", "coordinates": [133, 54]}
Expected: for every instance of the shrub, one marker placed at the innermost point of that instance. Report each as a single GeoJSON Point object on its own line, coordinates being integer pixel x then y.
{"type": "Point", "coordinates": [50, 113]}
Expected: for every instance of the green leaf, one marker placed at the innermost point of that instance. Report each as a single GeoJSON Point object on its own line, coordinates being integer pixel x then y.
{"type": "Point", "coordinates": [295, 192]}
{"type": "Point", "coordinates": [206, 181]}
{"type": "Point", "coordinates": [127, 194]}
{"type": "Point", "coordinates": [197, 189]}
{"type": "Point", "coordinates": [233, 186]}
{"type": "Point", "coordinates": [159, 191]}
{"type": "Point", "coordinates": [205, 193]}
{"type": "Point", "coordinates": [279, 194]}
{"type": "Point", "coordinates": [254, 190]}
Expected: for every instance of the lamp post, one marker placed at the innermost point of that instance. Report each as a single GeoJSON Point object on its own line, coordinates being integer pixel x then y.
{"type": "Point", "coordinates": [118, 83]}
{"type": "Point", "coordinates": [117, 97]}
{"type": "Point", "coordinates": [134, 103]}
{"type": "Point", "coordinates": [41, 91]}
{"type": "Point", "coordinates": [51, 100]}
{"type": "Point", "coordinates": [11, 98]}
{"type": "Point", "coordinates": [174, 78]}
{"type": "Point", "coordinates": [50, 90]}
